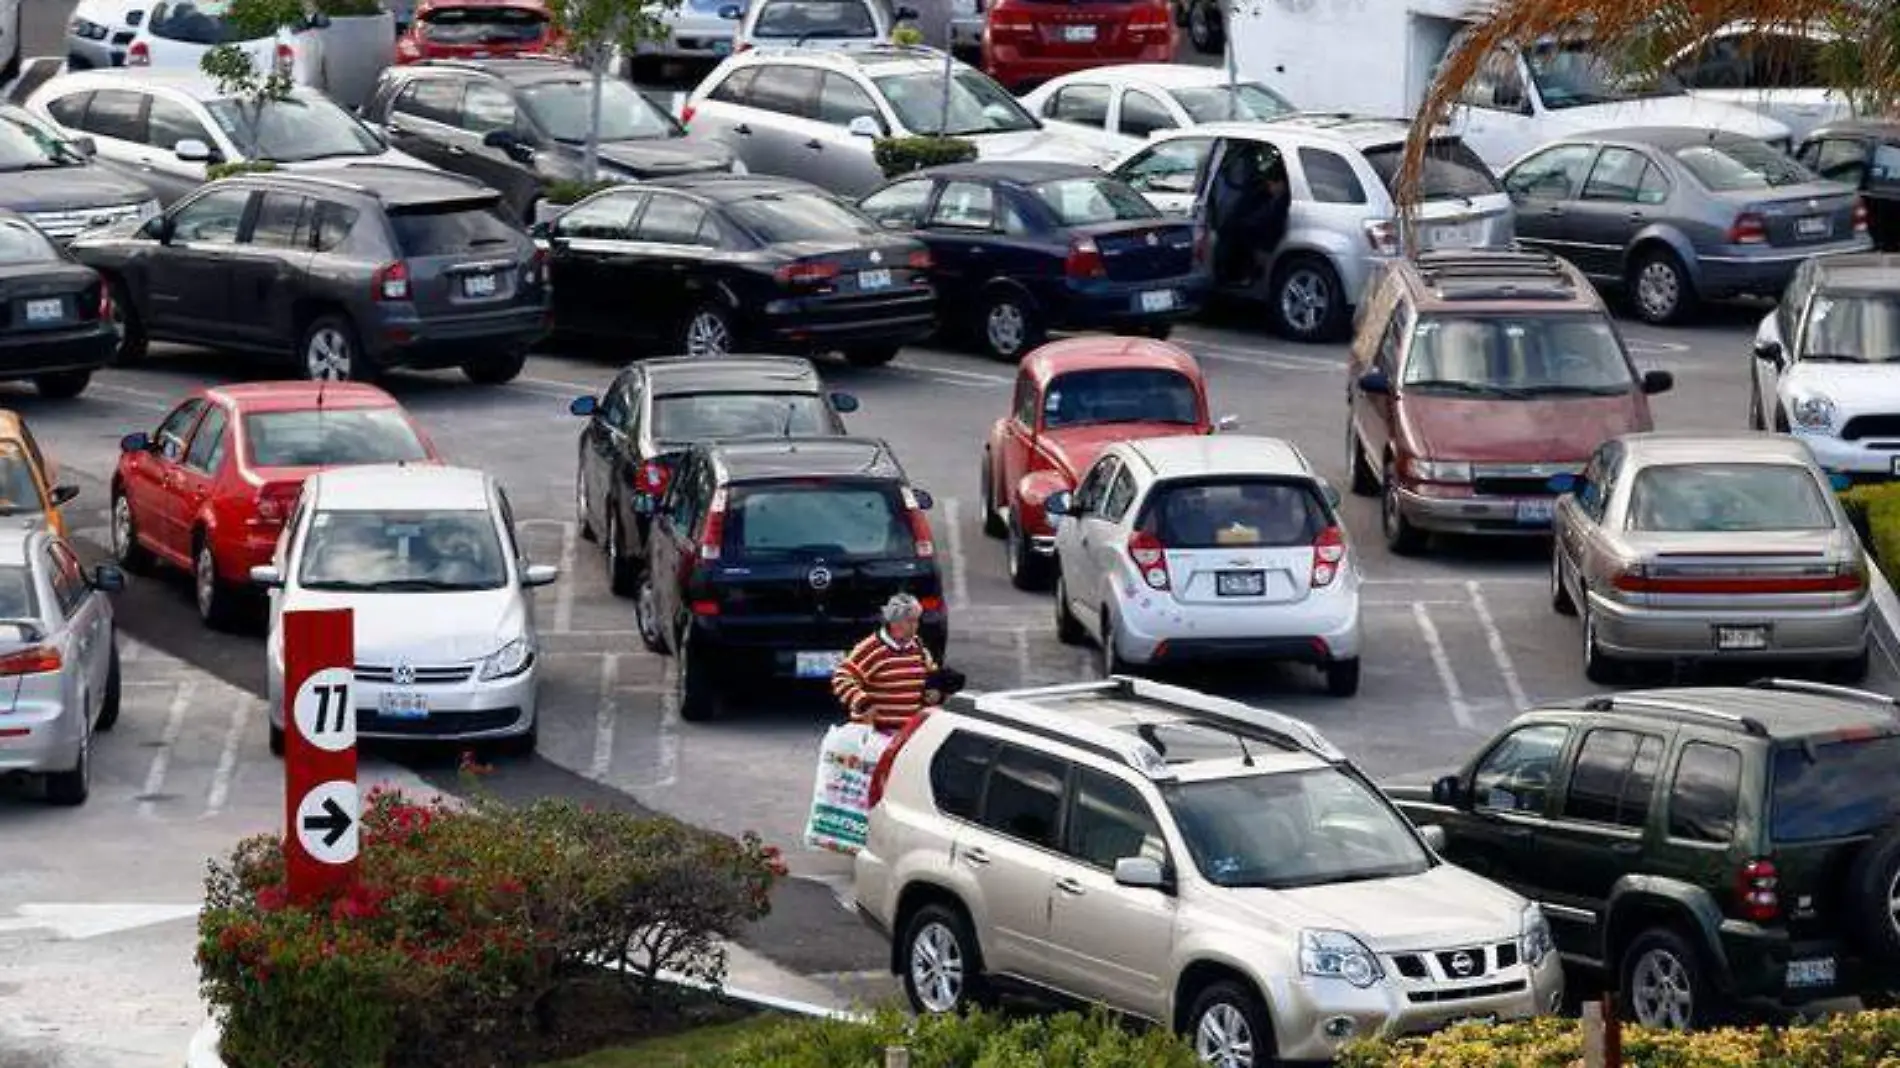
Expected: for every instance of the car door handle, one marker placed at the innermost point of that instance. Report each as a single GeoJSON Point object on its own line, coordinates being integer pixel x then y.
{"type": "Point", "coordinates": [1554, 209]}
{"type": "Point", "coordinates": [742, 130]}
{"type": "Point", "coordinates": [457, 150]}
{"type": "Point", "coordinates": [1070, 887]}
{"type": "Point", "coordinates": [1627, 849]}
{"type": "Point", "coordinates": [976, 857]}
{"type": "Point", "coordinates": [1637, 216]}
{"type": "Point", "coordinates": [815, 145]}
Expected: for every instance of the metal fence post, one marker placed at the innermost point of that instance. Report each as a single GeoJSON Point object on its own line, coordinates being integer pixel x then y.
{"type": "Point", "coordinates": [1593, 1035]}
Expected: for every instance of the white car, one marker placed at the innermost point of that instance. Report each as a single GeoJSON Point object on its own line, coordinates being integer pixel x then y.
{"type": "Point", "coordinates": [177, 34]}
{"type": "Point", "coordinates": [426, 558]}
{"type": "Point", "coordinates": [1122, 105]}
{"type": "Point", "coordinates": [101, 30]}
{"type": "Point", "coordinates": [166, 127]}
{"type": "Point", "coordinates": [1776, 71]}
{"type": "Point", "coordinates": [695, 30]}
{"type": "Point", "coordinates": [818, 24]}
{"type": "Point", "coordinates": [1195, 548]}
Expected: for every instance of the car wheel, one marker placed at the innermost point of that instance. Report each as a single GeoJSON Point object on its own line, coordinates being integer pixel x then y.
{"type": "Point", "coordinates": [126, 549]}
{"type": "Point", "coordinates": [871, 355]}
{"type": "Point", "coordinates": [694, 688]}
{"type": "Point", "coordinates": [621, 569]}
{"type": "Point", "coordinates": [495, 368]}
{"type": "Point", "coordinates": [1010, 327]}
{"type": "Point", "coordinates": [62, 385]}
{"type": "Point", "coordinates": [1598, 667]}
{"type": "Point", "coordinates": [1363, 482]}
{"type": "Point", "coordinates": [1204, 27]}
{"type": "Point", "coordinates": [583, 509]}
{"type": "Point", "coordinates": [109, 705]}
{"type": "Point", "coordinates": [1028, 570]}
{"type": "Point", "coordinates": [993, 524]}
{"type": "Point", "coordinates": [646, 615]}
{"type": "Point", "coordinates": [1306, 300]}
{"type": "Point", "coordinates": [1560, 601]}
{"type": "Point", "coordinates": [1659, 287]}
{"type": "Point", "coordinates": [215, 597]}
{"type": "Point", "coordinates": [1109, 660]}
{"type": "Point", "coordinates": [125, 318]}
{"type": "Point", "coordinates": [1068, 629]}
{"type": "Point", "coordinates": [942, 966]}
{"type": "Point", "coordinates": [329, 352]}
{"type": "Point", "coordinates": [1401, 536]}
{"type": "Point", "coordinates": [1228, 1027]}
{"type": "Point", "coordinates": [522, 745]}
{"type": "Point", "coordinates": [1663, 983]}
{"type": "Point", "coordinates": [1342, 677]}
{"type": "Point", "coordinates": [707, 334]}
{"type": "Point", "coordinates": [73, 787]}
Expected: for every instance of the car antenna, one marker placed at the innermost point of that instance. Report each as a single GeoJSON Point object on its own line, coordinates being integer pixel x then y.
{"type": "Point", "coordinates": [1246, 755]}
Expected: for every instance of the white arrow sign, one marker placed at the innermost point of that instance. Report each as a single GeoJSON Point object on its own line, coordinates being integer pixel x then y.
{"type": "Point", "coordinates": [326, 821]}
{"type": "Point", "coordinates": [91, 921]}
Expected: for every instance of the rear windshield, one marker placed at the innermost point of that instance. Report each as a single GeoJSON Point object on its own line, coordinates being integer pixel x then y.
{"type": "Point", "coordinates": [1450, 171]}
{"type": "Point", "coordinates": [786, 217]}
{"type": "Point", "coordinates": [796, 521]}
{"type": "Point", "coordinates": [815, 18]}
{"type": "Point", "coordinates": [483, 25]}
{"type": "Point", "coordinates": [1145, 395]}
{"type": "Point", "coordinates": [1218, 103]}
{"type": "Point", "coordinates": [1833, 789]}
{"type": "Point", "coordinates": [451, 231]}
{"type": "Point", "coordinates": [1719, 497]}
{"type": "Point", "coordinates": [701, 416]}
{"type": "Point", "coordinates": [316, 439]}
{"type": "Point", "coordinates": [19, 493]}
{"type": "Point", "coordinates": [200, 23]}
{"type": "Point", "coordinates": [16, 593]}
{"type": "Point", "coordinates": [21, 243]}
{"type": "Point", "coordinates": [1237, 513]}
{"type": "Point", "coordinates": [1084, 201]}
{"type": "Point", "coordinates": [1733, 166]}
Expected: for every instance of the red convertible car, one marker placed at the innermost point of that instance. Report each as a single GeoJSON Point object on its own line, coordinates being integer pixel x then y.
{"type": "Point", "coordinates": [1073, 399]}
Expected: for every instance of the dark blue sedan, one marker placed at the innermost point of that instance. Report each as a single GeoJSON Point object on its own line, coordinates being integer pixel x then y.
{"type": "Point", "coordinates": [1020, 249]}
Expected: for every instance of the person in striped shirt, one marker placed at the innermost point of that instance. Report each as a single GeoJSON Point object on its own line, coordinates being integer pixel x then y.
{"type": "Point", "coordinates": [882, 680]}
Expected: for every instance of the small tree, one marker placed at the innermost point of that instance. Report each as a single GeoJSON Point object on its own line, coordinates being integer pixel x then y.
{"type": "Point", "coordinates": [237, 76]}
{"type": "Point", "coordinates": [595, 32]}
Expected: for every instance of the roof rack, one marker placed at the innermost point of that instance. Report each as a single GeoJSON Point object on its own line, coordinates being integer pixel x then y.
{"type": "Point", "coordinates": [1617, 703]}
{"type": "Point", "coordinates": [1823, 689]}
{"type": "Point", "coordinates": [1516, 274]}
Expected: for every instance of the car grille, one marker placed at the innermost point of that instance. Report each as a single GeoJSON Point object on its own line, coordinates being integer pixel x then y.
{"type": "Point", "coordinates": [1479, 961]}
{"type": "Point", "coordinates": [1516, 480]}
{"type": "Point", "coordinates": [1464, 993]}
{"type": "Point", "coordinates": [368, 721]}
{"type": "Point", "coordinates": [1871, 426]}
{"type": "Point", "coordinates": [66, 225]}
{"type": "Point", "coordinates": [425, 676]}
{"type": "Point", "coordinates": [123, 37]}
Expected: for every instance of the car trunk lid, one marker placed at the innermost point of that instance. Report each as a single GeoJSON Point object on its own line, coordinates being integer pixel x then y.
{"type": "Point", "coordinates": [458, 257]}
{"type": "Point", "coordinates": [1814, 213]}
{"type": "Point", "coordinates": [1234, 541]}
{"type": "Point", "coordinates": [1828, 797]}
{"type": "Point", "coordinates": [1141, 250]}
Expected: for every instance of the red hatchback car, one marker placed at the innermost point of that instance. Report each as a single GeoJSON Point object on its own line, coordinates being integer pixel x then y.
{"type": "Point", "coordinates": [477, 29]}
{"type": "Point", "coordinates": [1073, 399]}
{"type": "Point", "coordinates": [210, 489]}
{"type": "Point", "coordinates": [1028, 42]}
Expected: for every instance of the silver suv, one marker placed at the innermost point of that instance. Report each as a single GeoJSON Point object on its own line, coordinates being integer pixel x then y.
{"type": "Point", "coordinates": [1188, 860]}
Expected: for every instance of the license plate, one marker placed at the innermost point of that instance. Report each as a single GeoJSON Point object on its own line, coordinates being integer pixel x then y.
{"type": "Point", "coordinates": [817, 665]}
{"type": "Point", "coordinates": [1158, 300]}
{"type": "Point", "coordinates": [1816, 972]}
{"type": "Point", "coordinates": [722, 48]}
{"type": "Point", "coordinates": [1535, 513]}
{"type": "Point", "coordinates": [479, 285]}
{"type": "Point", "coordinates": [1458, 236]}
{"type": "Point", "coordinates": [1240, 583]}
{"type": "Point", "coordinates": [1741, 639]}
{"type": "Point", "coordinates": [1078, 34]}
{"type": "Point", "coordinates": [45, 311]}
{"type": "Point", "coordinates": [874, 279]}
{"type": "Point", "coordinates": [1811, 226]}
{"type": "Point", "coordinates": [402, 704]}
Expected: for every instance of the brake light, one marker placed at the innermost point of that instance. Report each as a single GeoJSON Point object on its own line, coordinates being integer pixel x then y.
{"type": "Point", "coordinates": [139, 55]}
{"type": "Point", "coordinates": [275, 502]}
{"type": "Point", "coordinates": [1383, 236]}
{"type": "Point", "coordinates": [1155, 18]}
{"type": "Point", "coordinates": [1860, 216]}
{"type": "Point", "coordinates": [653, 477]}
{"type": "Point", "coordinates": [392, 282]}
{"type": "Point", "coordinates": [715, 532]}
{"type": "Point", "coordinates": [705, 608]}
{"type": "Point", "coordinates": [1639, 580]}
{"type": "Point", "coordinates": [920, 261]}
{"type": "Point", "coordinates": [1008, 18]}
{"type": "Point", "coordinates": [806, 273]}
{"type": "Point", "coordinates": [105, 303]}
{"type": "Point", "coordinates": [686, 115]}
{"type": "Point", "coordinates": [1748, 229]}
{"type": "Point", "coordinates": [37, 660]}
{"type": "Point", "coordinates": [1150, 559]}
{"type": "Point", "coordinates": [919, 528]}
{"type": "Point", "coordinates": [1755, 890]}
{"type": "Point", "coordinates": [1329, 551]}
{"type": "Point", "coordinates": [407, 49]}
{"type": "Point", "coordinates": [1085, 260]}
{"type": "Point", "coordinates": [286, 57]}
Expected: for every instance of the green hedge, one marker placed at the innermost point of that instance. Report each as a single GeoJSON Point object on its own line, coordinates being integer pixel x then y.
{"type": "Point", "coordinates": [1069, 1040]}
{"type": "Point", "coordinates": [243, 166]}
{"type": "Point", "coordinates": [1875, 512]}
{"type": "Point", "coordinates": [1849, 1040]}
{"type": "Point", "coordinates": [902, 155]}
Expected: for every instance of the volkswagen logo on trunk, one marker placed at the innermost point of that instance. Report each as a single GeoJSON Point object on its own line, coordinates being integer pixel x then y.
{"type": "Point", "coordinates": [403, 674]}
{"type": "Point", "coordinates": [1462, 964]}
{"type": "Point", "coordinates": [820, 578]}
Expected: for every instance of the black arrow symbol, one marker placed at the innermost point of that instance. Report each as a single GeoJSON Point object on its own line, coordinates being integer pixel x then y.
{"type": "Point", "coordinates": [334, 820]}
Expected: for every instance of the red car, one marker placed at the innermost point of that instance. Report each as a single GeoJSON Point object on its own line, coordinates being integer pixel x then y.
{"type": "Point", "coordinates": [210, 489]}
{"type": "Point", "coordinates": [1028, 42]}
{"type": "Point", "coordinates": [477, 29]}
{"type": "Point", "coordinates": [1073, 399]}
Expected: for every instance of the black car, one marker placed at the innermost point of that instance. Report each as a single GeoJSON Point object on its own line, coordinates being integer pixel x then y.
{"type": "Point", "coordinates": [717, 264]}
{"type": "Point", "coordinates": [59, 184]}
{"type": "Point", "coordinates": [770, 558]}
{"type": "Point", "coordinates": [657, 408]}
{"type": "Point", "coordinates": [1863, 153]}
{"type": "Point", "coordinates": [1019, 249]}
{"type": "Point", "coordinates": [520, 124]}
{"type": "Point", "coordinates": [363, 269]}
{"type": "Point", "coordinates": [55, 315]}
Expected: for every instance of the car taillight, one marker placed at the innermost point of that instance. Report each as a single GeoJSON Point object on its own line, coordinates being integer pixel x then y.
{"type": "Point", "coordinates": [920, 261]}
{"type": "Point", "coordinates": [407, 49]}
{"type": "Point", "coordinates": [1329, 551]}
{"type": "Point", "coordinates": [105, 303]}
{"type": "Point", "coordinates": [38, 660]}
{"type": "Point", "coordinates": [392, 281]}
{"type": "Point", "coordinates": [1860, 216]}
{"type": "Point", "coordinates": [286, 57]}
{"type": "Point", "coordinates": [919, 527]}
{"type": "Point", "coordinates": [1383, 236]}
{"type": "Point", "coordinates": [1085, 260]}
{"type": "Point", "coordinates": [139, 55]}
{"type": "Point", "coordinates": [275, 502]}
{"type": "Point", "coordinates": [1638, 579]}
{"type": "Point", "coordinates": [686, 115]}
{"type": "Point", "coordinates": [1748, 229]}
{"type": "Point", "coordinates": [1155, 18]}
{"type": "Point", "coordinates": [1755, 890]}
{"type": "Point", "coordinates": [1150, 559]}
{"type": "Point", "coordinates": [1008, 18]}
{"type": "Point", "coordinates": [715, 532]}
{"type": "Point", "coordinates": [652, 478]}
{"type": "Point", "coordinates": [806, 273]}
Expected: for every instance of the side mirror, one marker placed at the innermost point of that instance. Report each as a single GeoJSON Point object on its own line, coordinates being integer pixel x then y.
{"type": "Point", "coordinates": [268, 577]}
{"type": "Point", "coordinates": [1770, 351]}
{"type": "Point", "coordinates": [108, 579]}
{"type": "Point", "coordinates": [192, 150]}
{"type": "Point", "coordinates": [1840, 483]}
{"type": "Point", "coordinates": [1142, 873]}
{"type": "Point", "coordinates": [539, 574]}
{"type": "Point", "coordinates": [1058, 503]}
{"type": "Point", "coordinates": [64, 495]}
{"type": "Point", "coordinates": [84, 146]}
{"type": "Point", "coordinates": [1448, 791]}
{"type": "Point", "coordinates": [643, 504]}
{"type": "Point", "coordinates": [1434, 836]}
{"type": "Point", "coordinates": [925, 502]}
{"type": "Point", "coordinates": [731, 13]}
{"type": "Point", "coordinates": [158, 228]}
{"type": "Point", "coordinates": [844, 402]}
{"type": "Point", "coordinates": [583, 406]}
{"type": "Point", "coordinates": [1658, 382]}
{"type": "Point", "coordinates": [1374, 383]}
{"type": "Point", "coordinates": [864, 126]}
{"type": "Point", "coordinates": [1226, 424]}
{"type": "Point", "coordinates": [500, 139]}
{"type": "Point", "coordinates": [139, 442]}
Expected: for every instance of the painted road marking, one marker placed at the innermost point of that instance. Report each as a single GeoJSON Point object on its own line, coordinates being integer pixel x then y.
{"type": "Point", "coordinates": [162, 759]}
{"type": "Point", "coordinates": [1454, 694]}
{"type": "Point", "coordinates": [605, 713]}
{"type": "Point", "coordinates": [955, 560]}
{"type": "Point", "coordinates": [1495, 639]}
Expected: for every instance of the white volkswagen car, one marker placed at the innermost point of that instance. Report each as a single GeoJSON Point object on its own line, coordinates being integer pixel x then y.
{"type": "Point", "coordinates": [177, 34]}
{"type": "Point", "coordinates": [426, 557]}
{"type": "Point", "coordinates": [1121, 105]}
{"type": "Point", "coordinates": [1197, 548]}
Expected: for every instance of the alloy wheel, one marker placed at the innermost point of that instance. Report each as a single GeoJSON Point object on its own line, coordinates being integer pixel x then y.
{"type": "Point", "coordinates": [1660, 991]}
{"type": "Point", "coordinates": [121, 528]}
{"type": "Point", "coordinates": [1304, 298]}
{"type": "Point", "coordinates": [1389, 514]}
{"type": "Point", "coordinates": [1223, 1039]}
{"type": "Point", "coordinates": [327, 356]}
{"type": "Point", "coordinates": [1006, 327]}
{"type": "Point", "coordinates": [643, 613]}
{"type": "Point", "coordinates": [1658, 289]}
{"type": "Point", "coordinates": [708, 336]}
{"type": "Point", "coordinates": [936, 968]}
{"type": "Point", "coordinates": [1893, 903]}
{"type": "Point", "coordinates": [204, 574]}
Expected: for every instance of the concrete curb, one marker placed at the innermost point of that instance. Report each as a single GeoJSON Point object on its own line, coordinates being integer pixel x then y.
{"type": "Point", "coordinates": [203, 1052]}
{"type": "Point", "coordinates": [1886, 617]}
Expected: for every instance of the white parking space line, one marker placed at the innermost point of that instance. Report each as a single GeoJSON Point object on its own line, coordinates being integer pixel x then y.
{"type": "Point", "coordinates": [162, 759]}
{"type": "Point", "coordinates": [1647, 345]}
{"type": "Point", "coordinates": [953, 547]}
{"type": "Point", "coordinates": [1454, 693]}
{"type": "Point", "coordinates": [241, 707]}
{"type": "Point", "coordinates": [1495, 639]}
{"type": "Point", "coordinates": [1023, 663]}
{"type": "Point", "coordinates": [565, 388]}
{"type": "Point", "coordinates": [604, 716]}
{"type": "Point", "coordinates": [669, 740]}
{"type": "Point", "coordinates": [1450, 581]}
{"type": "Point", "coordinates": [563, 586]}
{"type": "Point", "coordinates": [137, 398]}
{"type": "Point", "coordinates": [961, 377]}
{"type": "Point", "coordinates": [1266, 362]}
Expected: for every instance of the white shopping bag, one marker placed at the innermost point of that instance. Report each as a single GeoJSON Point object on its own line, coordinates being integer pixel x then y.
{"type": "Point", "coordinates": [841, 794]}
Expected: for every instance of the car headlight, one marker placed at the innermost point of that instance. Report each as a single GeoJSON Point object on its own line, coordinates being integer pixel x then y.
{"type": "Point", "coordinates": [738, 167]}
{"type": "Point", "coordinates": [1813, 412]}
{"type": "Point", "coordinates": [1338, 955]}
{"type": "Point", "coordinates": [88, 29]}
{"type": "Point", "coordinates": [1535, 943]}
{"type": "Point", "coordinates": [510, 660]}
{"type": "Point", "coordinates": [1441, 470]}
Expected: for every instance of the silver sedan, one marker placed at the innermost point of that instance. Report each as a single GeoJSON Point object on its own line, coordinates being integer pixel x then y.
{"type": "Point", "coordinates": [59, 662]}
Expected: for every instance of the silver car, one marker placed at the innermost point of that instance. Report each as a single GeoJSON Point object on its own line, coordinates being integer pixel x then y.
{"type": "Point", "coordinates": [59, 661]}
{"type": "Point", "coordinates": [1709, 548]}
{"type": "Point", "coordinates": [820, 25]}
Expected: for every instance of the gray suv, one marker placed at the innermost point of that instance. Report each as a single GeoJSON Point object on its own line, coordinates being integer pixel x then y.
{"type": "Point", "coordinates": [372, 268]}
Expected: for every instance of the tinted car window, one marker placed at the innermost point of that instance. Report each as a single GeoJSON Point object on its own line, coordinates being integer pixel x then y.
{"type": "Point", "coordinates": [435, 99]}
{"type": "Point", "coordinates": [785, 89]}
{"type": "Point", "coordinates": [608, 218]}
{"type": "Point", "coordinates": [735, 88]}
{"type": "Point", "coordinates": [116, 113]}
{"type": "Point", "coordinates": [169, 122]}
{"type": "Point", "coordinates": [805, 521]}
{"type": "Point", "coordinates": [1604, 764]}
{"type": "Point", "coordinates": [335, 436]}
{"type": "Point", "coordinates": [1702, 795]}
{"type": "Point", "coordinates": [1024, 796]}
{"type": "Point", "coordinates": [840, 100]}
{"type": "Point", "coordinates": [1515, 775]}
{"type": "Point", "coordinates": [901, 204]}
{"type": "Point", "coordinates": [1833, 789]}
{"type": "Point", "coordinates": [334, 222]}
{"type": "Point", "coordinates": [1143, 114]}
{"type": "Point", "coordinates": [1330, 177]}
{"type": "Point", "coordinates": [1083, 104]}
{"type": "Point", "coordinates": [1627, 176]}
{"type": "Point", "coordinates": [69, 579]}
{"type": "Point", "coordinates": [1450, 171]}
{"type": "Point", "coordinates": [450, 230]}
{"type": "Point", "coordinates": [1085, 201]}
{"type": "Point", "coordinates": [670, 220]}
{"type": "Point", "coordinates": [1734, 165]}
{"type": "Point", "coordinates": [1727, 497]}
{"type": "Point", "coordinates": [957, 772]}
{"type": "Point", "coordinates": [200, 23]}
{"type": "Point", "coordinates": [212, 219]}
{"type": "Point", "coordinates": [70, 110]}
{"type": "Point", "coordinates": [1110, 820]}
{"type": "Point", "coordinates": [1120, 396]}
{"type": "Point", "coordinates": [1205, 514]}
{"type": "Point", "coordinates": [281, 222]}
{"type": "Point", "coordinates": [786, 217]}
{"type": "Point", "coordinates": [207, 445]}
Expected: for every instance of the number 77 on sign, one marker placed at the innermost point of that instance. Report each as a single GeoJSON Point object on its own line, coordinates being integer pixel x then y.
{"type": "Point", "coordinates": [321, 805]}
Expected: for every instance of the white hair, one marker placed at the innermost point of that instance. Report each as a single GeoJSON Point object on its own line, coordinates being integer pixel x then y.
{"type": "Point", "coordinates": [902, 606]}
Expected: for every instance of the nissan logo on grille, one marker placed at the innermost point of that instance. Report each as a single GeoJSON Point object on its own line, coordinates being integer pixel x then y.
{"type": "Point", "coordinates": [820, 578]}
{"type": "Point", "coordinates": [1462, 964]}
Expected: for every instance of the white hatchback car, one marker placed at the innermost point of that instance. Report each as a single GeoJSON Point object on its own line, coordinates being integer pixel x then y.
{"type": "Point", "coordinates": [1122, 105]}
{"type": "Point", "coordinates": [824, 25]}
{"type": "Point", "coordinates": [426, 557]}
{"type": "Point", "coordinates": [1197, 548]}
{"type": "Point", "coordinates": [177, 34]}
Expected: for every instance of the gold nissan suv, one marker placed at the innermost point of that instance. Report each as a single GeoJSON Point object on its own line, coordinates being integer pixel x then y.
{"type": "Point", "coordinates": [1189, 860]}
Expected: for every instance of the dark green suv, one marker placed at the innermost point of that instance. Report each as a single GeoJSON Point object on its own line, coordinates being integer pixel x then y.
{"type": "Point", "coordinates": [1703, 848]}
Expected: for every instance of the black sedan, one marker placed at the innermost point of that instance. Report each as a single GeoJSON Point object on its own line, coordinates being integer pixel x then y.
{"type": "Point", "coordinates": [56, 323]}
{"type": "Point", "coordinates": [1020, 249]}
{"type": "Point", "coordinates": [654, 410]}
{"type": "Point", "coordinates": [709, 265]}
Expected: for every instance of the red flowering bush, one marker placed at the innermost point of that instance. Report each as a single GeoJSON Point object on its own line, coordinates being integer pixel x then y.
{"type": "Point", "coordinates": [470, 933]}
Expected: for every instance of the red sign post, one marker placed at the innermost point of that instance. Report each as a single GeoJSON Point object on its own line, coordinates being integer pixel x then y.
{"type": "Point", "coordinates": [320, 796]}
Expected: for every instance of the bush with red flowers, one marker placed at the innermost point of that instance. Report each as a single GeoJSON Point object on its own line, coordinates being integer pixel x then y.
{"type": "Point", "coordinates": [481, 937]}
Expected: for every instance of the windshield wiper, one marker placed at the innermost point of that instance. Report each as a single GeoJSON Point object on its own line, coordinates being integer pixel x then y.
{"type": "Point", "coordinates": [1480, 389]}
{"type": "Point", "coordinates": [1831, 357]}
{"type": "Point", "coordinates": [1558, 390]}
{"type": "Point", "coordinates": [391, 585]}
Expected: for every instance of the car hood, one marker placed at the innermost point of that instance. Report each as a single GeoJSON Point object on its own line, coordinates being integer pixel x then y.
{"type": "Point", "coordinates": [1442, 907]}
{"type": "Point", "coordinates": [654, 157]}
{"type": "Point", "coordinates": [68, 189]}
{"type": "Point", "coordinates": [1673, 110]}
{"type": "Point", "coordinates": [1482, 430]}
{"type": "Point", "coordinates": [1855, 388]}
{"type": "Point", "coordinates": [1074, 448]}
{"type": "Point", "coordinates": [425, 628]}
{"type": "Point", "coordinates": [1047, 145]}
